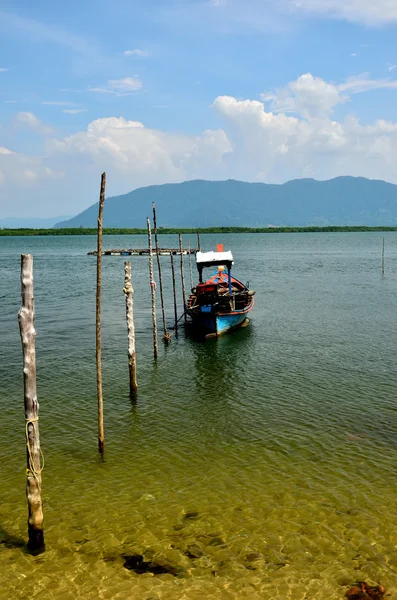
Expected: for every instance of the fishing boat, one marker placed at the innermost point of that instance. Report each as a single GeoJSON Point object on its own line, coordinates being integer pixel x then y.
{"type": "Point", "coordinates": [221, 303]}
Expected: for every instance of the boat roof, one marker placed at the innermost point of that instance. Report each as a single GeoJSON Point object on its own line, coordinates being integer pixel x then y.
{"type": "Point", "coordinates": [208, 259]}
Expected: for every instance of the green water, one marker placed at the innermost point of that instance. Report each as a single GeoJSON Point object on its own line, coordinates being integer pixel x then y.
{"type": "Point", "coordinates": [282, 436]}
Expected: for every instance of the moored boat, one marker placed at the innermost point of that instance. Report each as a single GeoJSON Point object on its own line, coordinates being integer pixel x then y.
{"type": "Point", "coordinates": [221, 303]}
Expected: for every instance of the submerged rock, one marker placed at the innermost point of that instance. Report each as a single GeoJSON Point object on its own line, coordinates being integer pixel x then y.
{"type": "Point", "coordinates": [363, 591]}
{"type": "Point", "coordinates": [136, 562]}
{"type": "Point", "coordinates": [194, 551]}
{"type": "Point", "coordinates": [193, 514]}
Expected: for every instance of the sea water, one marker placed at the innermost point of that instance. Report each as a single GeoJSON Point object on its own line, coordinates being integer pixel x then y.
{"type": "Point", "coordinates": [261, 464]}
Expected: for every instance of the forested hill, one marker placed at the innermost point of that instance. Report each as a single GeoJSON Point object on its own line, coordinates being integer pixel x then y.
{"type": "Point", "coordinates": [301, 202]}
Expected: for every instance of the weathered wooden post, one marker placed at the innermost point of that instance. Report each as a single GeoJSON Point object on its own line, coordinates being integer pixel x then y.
{"type": "Point", "coordinates": [198, 241]}
{"type": "Point", "coordinates": [129, 293]}
{"type": "Point", "coordinates": [166, 335]}
{"type": "Point", "coordinates": [174, 291]}
{"type": "Point", "coordinates": [182, 276]}
{"type": "Point", "coordinates": [383, 256]}
{"type": "Point", "coordinates": [153, 290]}
{"type": "Point", "coordinates": [33, 451]}
{"type": "Point", "coordinates": [101, 431]}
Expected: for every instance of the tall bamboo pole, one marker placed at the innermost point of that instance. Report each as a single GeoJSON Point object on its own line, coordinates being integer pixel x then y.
{"type": "Point", "coordinates": [182, 276]}
{"type": "Point", "coordinates": [383, 256]}
{"type": "Point", "coordinates": [153, 290]}
{"type": "Point", "coordinates": [190, 267]}
{"type": "Point", "coordinates": [33, 451]}
{"type": "Point", "coordinates": [101, 431]}
{"type": "Point", "coordinates": [174, 292]}
{"type": "Point", "coordinates": [129, 307]}
{"type": "Point", "coordinates": [198, 241]}
{"type": "Point", "coordinates": [166, 335]}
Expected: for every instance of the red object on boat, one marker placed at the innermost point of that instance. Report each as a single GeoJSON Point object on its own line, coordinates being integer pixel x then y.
{"type": "Point", "coordinates": [219, 247]}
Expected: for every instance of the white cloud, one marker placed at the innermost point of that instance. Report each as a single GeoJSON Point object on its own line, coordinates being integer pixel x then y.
{"type": "Point", "coordinates": [362, 11]}
{"type": "Point", "coordinates": [74, 111]}
{"type": "Point", "coordinates": [120, 87]}
{"type": "Point", "coordinates": [29, 120]}
{"type": "Point", "coordinates": [137, 52]}
{"type": "Point", "coordinates": [391, 67]}
{"type": "Point", "coordinates": [2, 70]}
{"type": "Point", "coordinates": [312, 97]}
{"type": "Point", "coordinates": [5, 151]}
{"type": "Point", "coordinates": [292, 133]}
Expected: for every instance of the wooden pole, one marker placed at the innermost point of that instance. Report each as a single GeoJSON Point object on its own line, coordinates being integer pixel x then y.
{"type": "Point", "coordinates": [383, 256]}
{"type": "Point", "coordinates": [190, 267]}
{"type": "Point", "coordinates": [101, 431]}
{"type": "Point", "coordinates": [166, 335]}
{"type": "Point", "coordinates": [174, 291]}
{"type": "Point", "coordinates": [33, 451]}
{"type": "Point", "coordinates": [182, 276]}
{"type": "Point", "coordinates": [153, 290]}
{"type": "Point", "coordinates": [129, 301]}
{"type": "Point", "coordinates": [198, 241]}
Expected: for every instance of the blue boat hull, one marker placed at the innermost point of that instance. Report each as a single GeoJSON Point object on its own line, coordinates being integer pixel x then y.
{"type": "Point", "coordinates": [218, 324]}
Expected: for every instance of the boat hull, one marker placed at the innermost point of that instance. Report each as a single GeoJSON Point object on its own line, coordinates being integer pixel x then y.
{"type": "Point", "coordinates": [216, 324]}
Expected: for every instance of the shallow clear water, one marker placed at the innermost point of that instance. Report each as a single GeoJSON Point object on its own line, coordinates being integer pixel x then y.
{"type": "Point", "coordinates": [282, 436]}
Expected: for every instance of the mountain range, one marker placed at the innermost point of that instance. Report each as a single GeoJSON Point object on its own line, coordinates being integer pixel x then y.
{"type": "Point", "coordinates": [301, 202]}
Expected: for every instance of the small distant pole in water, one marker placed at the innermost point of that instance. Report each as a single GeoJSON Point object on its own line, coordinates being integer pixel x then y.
{"type": "Point", "coordinates": [129, 293]}
{"type": "Point", "coordinates": [383, 256]}
{"type": "Point", "coordinates": [101, 431]}
{"type": "Point", "coordinates": [182, 276]}
{"type": "Point", "coordinates": [153, 290]}
{"type": "Point", "coordinates": [166, 335]}
{"type": "Point", "coordinates": [190, 267]}
{"type": "Point", "coordinates": [34, 468]}
{"type": "Point", "coordinates": [174, 291]}
{"type": "Point", "coordinates": [198, 241]}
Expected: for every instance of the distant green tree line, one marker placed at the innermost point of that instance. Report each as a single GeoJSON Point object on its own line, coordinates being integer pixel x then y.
{"type": "Point", "coordinates": [166, 230]}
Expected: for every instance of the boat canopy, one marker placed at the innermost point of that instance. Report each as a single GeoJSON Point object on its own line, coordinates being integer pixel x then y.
{"type": "Point", "coordinates": [210, 259]}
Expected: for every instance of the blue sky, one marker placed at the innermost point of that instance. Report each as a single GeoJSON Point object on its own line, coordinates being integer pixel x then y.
{"type": "Point", "coordinates": [155, 92]}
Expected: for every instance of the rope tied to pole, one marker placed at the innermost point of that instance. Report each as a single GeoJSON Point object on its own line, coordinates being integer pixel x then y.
{"type": "Point", "coordinates": [31, 470]}
{"type": "Point", "coordinates": [153, 284]}
{"type": "Point", "coordinates": [128, 289]}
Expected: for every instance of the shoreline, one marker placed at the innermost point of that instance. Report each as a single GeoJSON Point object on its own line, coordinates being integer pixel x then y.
{"type": "Point", "coordinates": [14, 232]}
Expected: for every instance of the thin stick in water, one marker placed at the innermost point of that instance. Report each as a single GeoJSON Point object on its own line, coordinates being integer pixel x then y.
{"type": "Point", "coordinates": [101, 430]}
{"type": "Point", "coordinates": [174, 292]}
{"type": "Point", "coordinates": [182, 276]}
{"type": "Point", "coordinates": [190, 267]}
{"type": "Point", "coordinates": [152, 290]}
{"type": "Point", "coordinates": [129, 306]}
{"type": "Point", "coordinates": [34, 467]}
{"type": "Point", "coordinates": [166, 335]}
{"type": "Point", "coordinates": [383, 256]}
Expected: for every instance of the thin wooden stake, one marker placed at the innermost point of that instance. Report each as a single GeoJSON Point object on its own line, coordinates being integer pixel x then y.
{"type": "Point", "coordinates": [101, 431]}
{"type": "Point", "coordinates": [129, 302]}
{"type": "Point", "coordinates": [383, 256]}
{"type": "Point", "coordinates": [34, 468]}
{"type": "Point", "coordinates": [182, 276]}
{"type": "Point", "coordinates": [174, 291]}
{"type": "Point", "coordinates": [190, 267]}
{"type": "Point", "coordinates": [166, 335]}
{"type": "Point", "coordinates": [153, 290]}
{"type": "Point", "coordinates": [198, 241]}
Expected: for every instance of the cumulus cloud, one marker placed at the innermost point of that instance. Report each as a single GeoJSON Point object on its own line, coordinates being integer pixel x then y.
{"type": "Point", "coordinates": [289, 133]}
{"type": "Point", "coordinates": [142, 155]}
{"type": "Point", "coordinates": [120, 87]}
{"type": "Point", "coordinates": [312, 97]}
